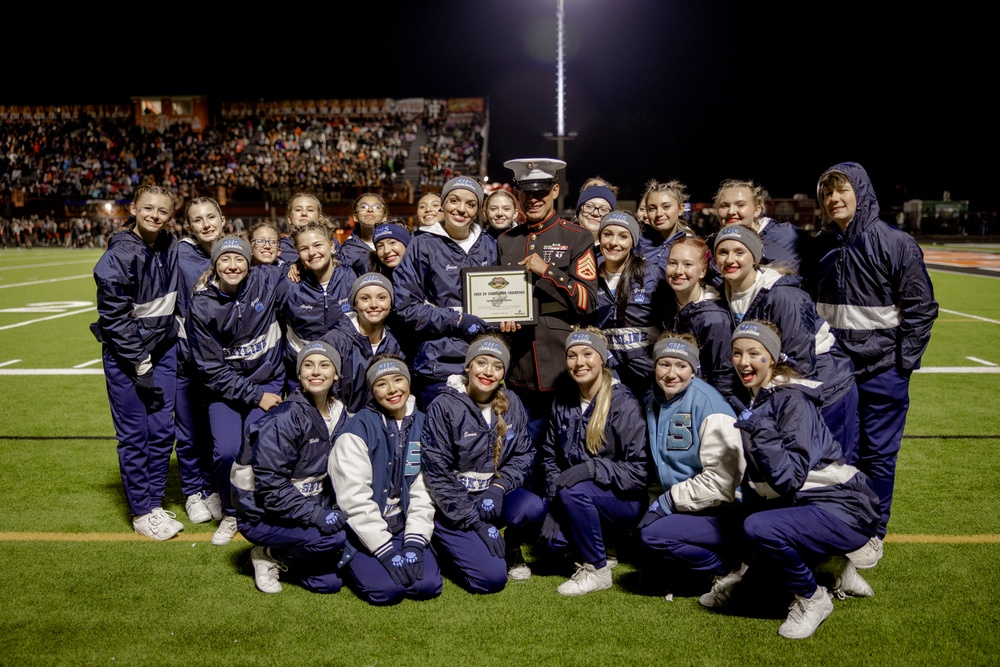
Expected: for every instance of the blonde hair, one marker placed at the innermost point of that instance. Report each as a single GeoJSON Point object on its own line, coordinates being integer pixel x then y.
{"type": "Point", "coordinates": [500, 404]}
{"type": "Point", "coordinates": [675, 189]}
{"type": "Point", "coordinates": [595, 438]}
{"type": "Point", "coordinates": [324, 229]}
{"type": "Point", "coordinates": [756, 194]}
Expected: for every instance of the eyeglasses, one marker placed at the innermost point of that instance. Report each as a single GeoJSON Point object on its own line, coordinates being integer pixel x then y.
{"type": "Point", "coordinates": [370, 207]}
{"type": "Point", "coordinates": [265, 242]}
{"type": "Point", "coordinates": [591, 209]}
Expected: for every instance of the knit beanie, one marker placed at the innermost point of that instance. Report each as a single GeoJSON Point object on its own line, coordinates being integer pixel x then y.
{"type": "Point", "coordinates": [590, 340]}
{"type": "Point", "coordinates": [230, 244]}
{"type": "Point", "coordinates": [596, 192]}
{"type": "Point", "coordinates": [489, 345]}
{"type": "Point", "coordinates": [745, 236]}
{"type": "Point", "coordinates": [369, 279]}
{"type": "Point", "coordinates": [621, 219]}
{"type": "Point", "coordinates": [463, 183]}
{"type": "Point", "coordinates": [318, 347]}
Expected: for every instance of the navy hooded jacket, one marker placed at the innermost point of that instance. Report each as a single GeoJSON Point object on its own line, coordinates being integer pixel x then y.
{"type": "Point", "coordinates": [873, 287]}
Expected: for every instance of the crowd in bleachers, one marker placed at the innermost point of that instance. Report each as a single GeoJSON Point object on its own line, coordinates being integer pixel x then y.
{"type": "Point", "coordinates": [253, 152]}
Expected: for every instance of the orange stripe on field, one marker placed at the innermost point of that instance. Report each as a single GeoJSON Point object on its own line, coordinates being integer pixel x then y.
{"type": "Point", "coordinates": [962, 258]}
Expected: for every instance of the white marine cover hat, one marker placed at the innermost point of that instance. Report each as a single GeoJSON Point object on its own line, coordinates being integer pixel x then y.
{"type": "Point", "coordinates": [534, 174]}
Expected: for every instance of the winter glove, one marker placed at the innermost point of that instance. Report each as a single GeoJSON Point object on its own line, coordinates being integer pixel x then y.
{"type": "Point", "coordinates": [491, 503]}
{"type": "Point", "coordinates": [149, 394]}
{"type": "Point", "coordinates": [395, 565]}
{"type": "Point", "coordinates": [329, 521]}
{"type": "Point", "coordinates": [656, 511]}
{"type": "Point", "coordinates": [470, 325]}
{"type": "Point", "coordinates": [581, 472]}
{"type": "Point", "coordinates": [550, 528]}
{"type": "Point", "coordinates": [413, 561]}
{"type": "Point", "coordinates": [493, 539]}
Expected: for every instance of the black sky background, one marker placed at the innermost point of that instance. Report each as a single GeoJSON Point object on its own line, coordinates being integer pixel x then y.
{"type": "Point", "coordinates": [698, 90]}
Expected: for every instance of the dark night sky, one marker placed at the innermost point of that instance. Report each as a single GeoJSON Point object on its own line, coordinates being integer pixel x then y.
{"type": "Point", "coordinates": [699, 90]}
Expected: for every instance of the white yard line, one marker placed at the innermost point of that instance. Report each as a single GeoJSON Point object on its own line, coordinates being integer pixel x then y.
{"type": "Point", "coordinates": [88, 363]}
{"type": "Point", "coordinates": [43, 266]}
{"type": "Point", "coordinates": [981, 361]}
{"type": "Point", "coordinates": [50, 317]}
{"type": "Point", "coordinates": [8, 363]}
{"type": "Point", "coordinates": [51, 371]}
{"type": "Point", "coordinates": [939, 369]}
{"type": "Point", "coordinates": [972, 317]}
{"type": "Point", "coordinates": [50, 280]}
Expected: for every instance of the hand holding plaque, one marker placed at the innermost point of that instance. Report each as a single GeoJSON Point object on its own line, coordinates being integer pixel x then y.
{"type": "Point", "coordinates": [497, 295]}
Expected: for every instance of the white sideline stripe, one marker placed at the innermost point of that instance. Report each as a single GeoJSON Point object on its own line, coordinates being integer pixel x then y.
{"type": "Point", "coordinates": [936, 369]}
{"type": "Point", "coordinates": [51, 371]}
{"type": "Point", "coordinates": [50, 280]}
{"type": "Point", "coordinates": [8, 363]}
{"type": "Point", "coordinates": [42, 266]}
{"type": "Point", "coordinates": [973, 317]}
{"type": "Point", "coordinates": [981, 361]}
{"type": "Point", "coordinates": [50, 317]}
{"type": "Point", "coordinates": [88, 363]}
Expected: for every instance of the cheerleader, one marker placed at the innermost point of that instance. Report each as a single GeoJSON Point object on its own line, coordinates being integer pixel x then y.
{"type": "Point", "coordinates": [629, 308]}
{"type": "Point", "coordinates": [700, 310]}
{"type": "Point", "coordinates": [284, 501]}
{"type": "Point", "coordinates": [205, 225]}
{"type": "Point", "coordinates": [378, 480]}
{"type": "Point", "coordinates": [137, 282]}
{"type": "Point", "coordinates": [361, 335]}
{"type": "Point", "coordinates": [429, 287]}
{"type": "Point", "coordinates": [595, 458]}
{"type": "Point", "coordinates": [759, 292]}
{"type": "Point", "coordinates": [696, 453]}
{"type": "Point", "coordinates": [237, 345]}
{"type": "Point", "coordinates": [477, 457]}
{"type": "Point", "coordinates": [318, 299]}
{"type": "Point", "coordinates": [807, 508]}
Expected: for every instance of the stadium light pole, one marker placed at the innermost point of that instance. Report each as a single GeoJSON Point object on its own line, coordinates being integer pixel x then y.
{"type": "Point", "coordinates": [560, 136]}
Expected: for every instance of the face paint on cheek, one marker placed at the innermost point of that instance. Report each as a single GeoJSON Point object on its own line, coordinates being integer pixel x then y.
{"type": "Point", "coordinates": [763, 360]}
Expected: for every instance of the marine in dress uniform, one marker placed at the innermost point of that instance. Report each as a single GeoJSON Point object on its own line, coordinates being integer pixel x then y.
{"type": "Point", "coordinates": [560, 255]}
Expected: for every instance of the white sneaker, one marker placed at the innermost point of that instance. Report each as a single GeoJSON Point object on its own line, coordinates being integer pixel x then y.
{"type": "Point", "coordinates": [196, 509]}
{"type": "Point", "coordinates": [806, 614]}
{"type": "Point", "coordinates": [517, 569]}
{"type": "Point", "coordinates": [169, 518]}
{"type": "Point", "coordinates": [225, 532]}
{"type": "Point", "coordinates": [266, 570]}
{"type": "Point", "coordinates": [152, 525]}
{"type": "Point", "coordinates": [723, 588]}
{"type": "Point", "coordinates": [846, 578]}
{"type": "Point", "coordinates": [612, 562]}
{"type": "Point", "coordinates": [867, 556]}
{"type": "Point", "coordinates": [214, 504]}
{"type": "Point", "coordinates": [586, 579]}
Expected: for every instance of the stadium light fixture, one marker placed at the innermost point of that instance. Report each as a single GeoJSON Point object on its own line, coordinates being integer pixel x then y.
{"type": "Point", "coordinates": [560, 136]}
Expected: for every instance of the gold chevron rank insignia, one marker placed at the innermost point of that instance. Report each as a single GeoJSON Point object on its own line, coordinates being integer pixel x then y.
{"type": "Point", "coordinates": [586, 267]}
